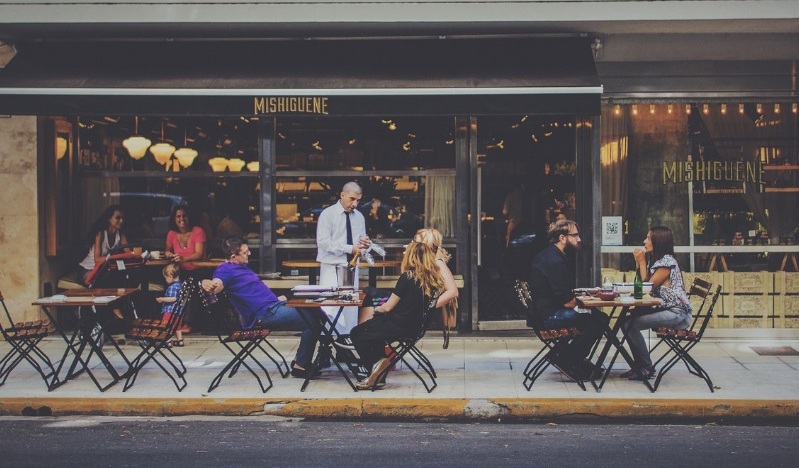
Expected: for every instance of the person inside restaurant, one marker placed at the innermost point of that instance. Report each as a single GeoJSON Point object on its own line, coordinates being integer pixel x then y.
{"type": "Point", "coordinates": [341, 235]}
{"type": "Point", "coordinates": [552, 285]}
{"type": "Point", "coordinates": [185, 242]}
{"type": "Point", "coordinates": [105, 235]}
{"type": "Point", "coordinates": [402, 316]}
{"type": "Point", "coordinates": [657, 265]}
{"type": "Point", "coordinates": [256, 304]}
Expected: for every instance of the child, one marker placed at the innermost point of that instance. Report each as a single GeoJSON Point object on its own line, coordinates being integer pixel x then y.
{"type": "Point", "coordinates": [171, 274]}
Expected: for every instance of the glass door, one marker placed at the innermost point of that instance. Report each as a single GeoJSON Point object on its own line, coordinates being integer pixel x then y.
{"type": "Point", "coordinates": [526, 179]}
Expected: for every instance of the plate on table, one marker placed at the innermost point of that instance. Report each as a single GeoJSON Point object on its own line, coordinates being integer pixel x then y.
{"type": "Point", "coordinates": [627, 300]}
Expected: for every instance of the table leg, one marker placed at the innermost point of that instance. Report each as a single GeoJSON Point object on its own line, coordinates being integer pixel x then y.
{"type": "Point", "coordinates": [612, 340]}
{"type": "Point", "coordinates": [712, 264]}
{"type": "Point", "coordinates": [723, 262]}
{"type": "Point", "coordinates": [326, 337]}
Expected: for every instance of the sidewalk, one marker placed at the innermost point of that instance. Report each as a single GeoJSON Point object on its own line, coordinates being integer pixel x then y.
{"type": "Point", "coordinates": [479, 377]}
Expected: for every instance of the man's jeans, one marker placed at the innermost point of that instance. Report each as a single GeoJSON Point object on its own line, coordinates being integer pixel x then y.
{"type": "Point", "coordinates": [282, 317]}
{"type": "Point", "coordinates": [592, 325]}
{"type": "Point", "coordinates": [677, 318]}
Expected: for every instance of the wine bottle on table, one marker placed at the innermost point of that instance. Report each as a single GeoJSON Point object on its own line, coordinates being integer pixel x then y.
{"type": "Point", "coordinates": [638, 285]}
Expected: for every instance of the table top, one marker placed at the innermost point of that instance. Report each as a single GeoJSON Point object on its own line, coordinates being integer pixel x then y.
{"type": "Point", "coordinates": [310, 303]}
{"type": "Point", "coordinates": [85, 297]}
{"type": "Point", "coordinates": [209, 263]}
{"type": "Point", "coordinates": [591, 301]}
{"type": "Point", "coordinates": [314, 264]}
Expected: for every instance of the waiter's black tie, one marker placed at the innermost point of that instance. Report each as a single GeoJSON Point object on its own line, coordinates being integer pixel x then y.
{"type": "Point", "coordinates": [349, 228]}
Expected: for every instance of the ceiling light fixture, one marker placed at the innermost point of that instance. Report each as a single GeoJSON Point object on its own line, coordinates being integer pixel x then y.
{"type": "Point", "coordinates": [136, 145]}
{"type": "Point", "coordinates": [185, 155]}
{"type": "Point", "coordinates": [162, 151]}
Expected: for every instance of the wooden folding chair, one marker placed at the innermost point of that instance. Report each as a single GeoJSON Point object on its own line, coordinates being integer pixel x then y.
{"type": "Point", "coordinates": [404, 348]}
{"type": "Point", "coordinates": [555, 341]}
{"type": "Point", "coordinates": [242, 344]}
{"type": "Point", "coordinates": [680, 342]}
{"type": "Point", "coordinates": [24, 338]}
{"type": "Point", "coordinates": [154, 337]}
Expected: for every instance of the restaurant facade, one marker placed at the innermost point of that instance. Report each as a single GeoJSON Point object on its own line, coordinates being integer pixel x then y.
{"type": "Point", "coordinates": [619, 124]}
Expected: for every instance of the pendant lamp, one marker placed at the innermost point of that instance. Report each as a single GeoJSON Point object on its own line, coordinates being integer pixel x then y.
{"type": "Point", "coordinates": [136, 145]}
{"type": "Point", "coordinates": [162, 151]}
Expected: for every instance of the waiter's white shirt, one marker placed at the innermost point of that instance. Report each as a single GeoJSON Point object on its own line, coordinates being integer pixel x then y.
{"type": "Point", "coordinates": [331, 240]}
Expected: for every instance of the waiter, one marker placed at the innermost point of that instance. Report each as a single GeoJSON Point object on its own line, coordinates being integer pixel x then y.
{"type": "Point", "coordinates": [340, 235]}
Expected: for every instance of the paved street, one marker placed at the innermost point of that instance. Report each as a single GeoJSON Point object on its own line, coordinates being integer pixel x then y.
{"type": "Point", "coordinates": [87, 441]}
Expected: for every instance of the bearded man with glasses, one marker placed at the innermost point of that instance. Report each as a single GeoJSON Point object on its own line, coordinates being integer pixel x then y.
{"type": "Point", "coordinates": [552, 286]}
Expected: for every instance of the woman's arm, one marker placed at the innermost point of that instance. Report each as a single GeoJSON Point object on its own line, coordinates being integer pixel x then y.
{"type": "Point", "coordinates": [392, 302]}
{"type": "Point", "coordinates": [640, 263]}
{"type": "Point", "coordinates": [169, 249]}
{"type": "Point", "coordinates": [123, 240]}
{"type": "Point", "coordinates": [98, 248]}
{"type": "Point", "coordinates": [661, 277]}
{"type": "Point", "coordinates": [450, 288]}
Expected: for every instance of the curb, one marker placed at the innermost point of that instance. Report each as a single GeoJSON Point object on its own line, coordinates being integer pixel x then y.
{"type": "Point", "coordinates": [454, 409]}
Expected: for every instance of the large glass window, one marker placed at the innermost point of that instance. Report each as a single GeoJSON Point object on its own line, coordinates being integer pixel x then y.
{"type": "Point", "coordinates": [211, 164]}
{"type": "Point", "coordinates": [724, 177]}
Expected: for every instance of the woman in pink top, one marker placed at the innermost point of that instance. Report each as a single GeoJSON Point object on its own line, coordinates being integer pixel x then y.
{"type": "Point", "coordinates": [185, 243]}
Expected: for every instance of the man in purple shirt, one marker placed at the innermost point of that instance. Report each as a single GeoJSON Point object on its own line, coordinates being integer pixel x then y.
{"type": "Point", "coordinates": [258, 305]}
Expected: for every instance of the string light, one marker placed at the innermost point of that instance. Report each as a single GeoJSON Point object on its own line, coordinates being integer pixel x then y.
{"type": "Point", "coordinates": [651, 108]}
{"type": "Point", "coordinates": [635, 109]}
{"type": "Point", "coordinates": [705, 109]}
{"type": "Point", "coordinates": [724, 108]}
{"type": "Point", "coordinates": [759, 108]}
{"type": "Point", "coordinates": [794, 108]}
{"type": "Point", "coordinates": [776, 107]}
{"type": "Point", "coordinates": [670, 108]}
{"type": "Point", "coordinates": [617, 110]}
{"type": "Point", "coordinates": [740, 109]}
{"type": "Point", "coordinates": [688, 109]}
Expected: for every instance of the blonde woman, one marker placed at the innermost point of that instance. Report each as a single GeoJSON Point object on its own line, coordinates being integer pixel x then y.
{"type": "Point", "coordinates": [403, 314]}
{"type": "Point", "coordinates": [433, 239]}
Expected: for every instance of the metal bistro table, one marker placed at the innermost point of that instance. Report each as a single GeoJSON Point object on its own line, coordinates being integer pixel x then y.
{"type": "Point", "coordinates": [611, 334]}
{"type": "Point", "coordinates": [328, 332]}
{"type": "Point", "coordinates": [82, 303]}
{"type": "Point", "coordinates": [313, 268]}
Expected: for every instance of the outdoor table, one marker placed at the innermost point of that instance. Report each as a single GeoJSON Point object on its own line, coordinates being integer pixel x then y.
{"type": "Point", "coordinates": [611, 334]}
{"type": "Point", "coordinates": [313, 268]}
{"type": "Point", "coordinates": [81, 344]}
{"type": "Point", "coordinates": [328, 333]}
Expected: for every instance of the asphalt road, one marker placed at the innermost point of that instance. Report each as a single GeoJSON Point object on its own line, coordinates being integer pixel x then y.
{"type": "Point", "coordinates": [270, 442]}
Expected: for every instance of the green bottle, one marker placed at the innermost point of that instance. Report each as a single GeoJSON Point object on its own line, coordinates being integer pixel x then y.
{"type": "Point", "coordinates": [638, 285]}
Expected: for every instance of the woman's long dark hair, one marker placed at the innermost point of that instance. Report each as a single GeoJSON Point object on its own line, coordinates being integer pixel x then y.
{"type": "Point", "coordinates": [662, 243]}
{"type": "Point", "coordinates": [101, 224]}
{"type": "Point", "coordinates": [173, 225]}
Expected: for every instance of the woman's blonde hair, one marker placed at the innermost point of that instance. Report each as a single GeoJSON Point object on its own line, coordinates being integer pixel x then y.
{"type": "Point", "coordinates": [433, 238]}
{"type": "Point", "coordinates": [420, 261]}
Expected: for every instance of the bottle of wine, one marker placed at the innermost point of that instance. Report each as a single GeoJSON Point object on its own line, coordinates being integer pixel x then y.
{"type": "Point", "coordinates": [638, 285]}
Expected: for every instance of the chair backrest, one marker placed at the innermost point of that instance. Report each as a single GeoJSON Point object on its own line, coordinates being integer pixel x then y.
{"type": "Point", "coordinates": [700, 288]}
{"type": "Point", "coordinates": [702, 318]}
{"type": "Point", "coordinates": [8, 316]}
{"type": "Point", "coordinates": [526, 299]}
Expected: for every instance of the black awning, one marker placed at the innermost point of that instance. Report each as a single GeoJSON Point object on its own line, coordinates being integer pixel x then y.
{"type": "Point", "coordinates": [367, 77]}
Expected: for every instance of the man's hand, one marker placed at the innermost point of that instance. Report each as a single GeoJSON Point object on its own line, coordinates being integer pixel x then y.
{"type": "Point", "coordinates": [364, 242]}
{"type": "Point", "coordinates": [210, 285]}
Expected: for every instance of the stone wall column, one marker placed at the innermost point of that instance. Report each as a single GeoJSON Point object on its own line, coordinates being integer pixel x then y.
{"type": "Point", "coordinates": [19, 217]}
